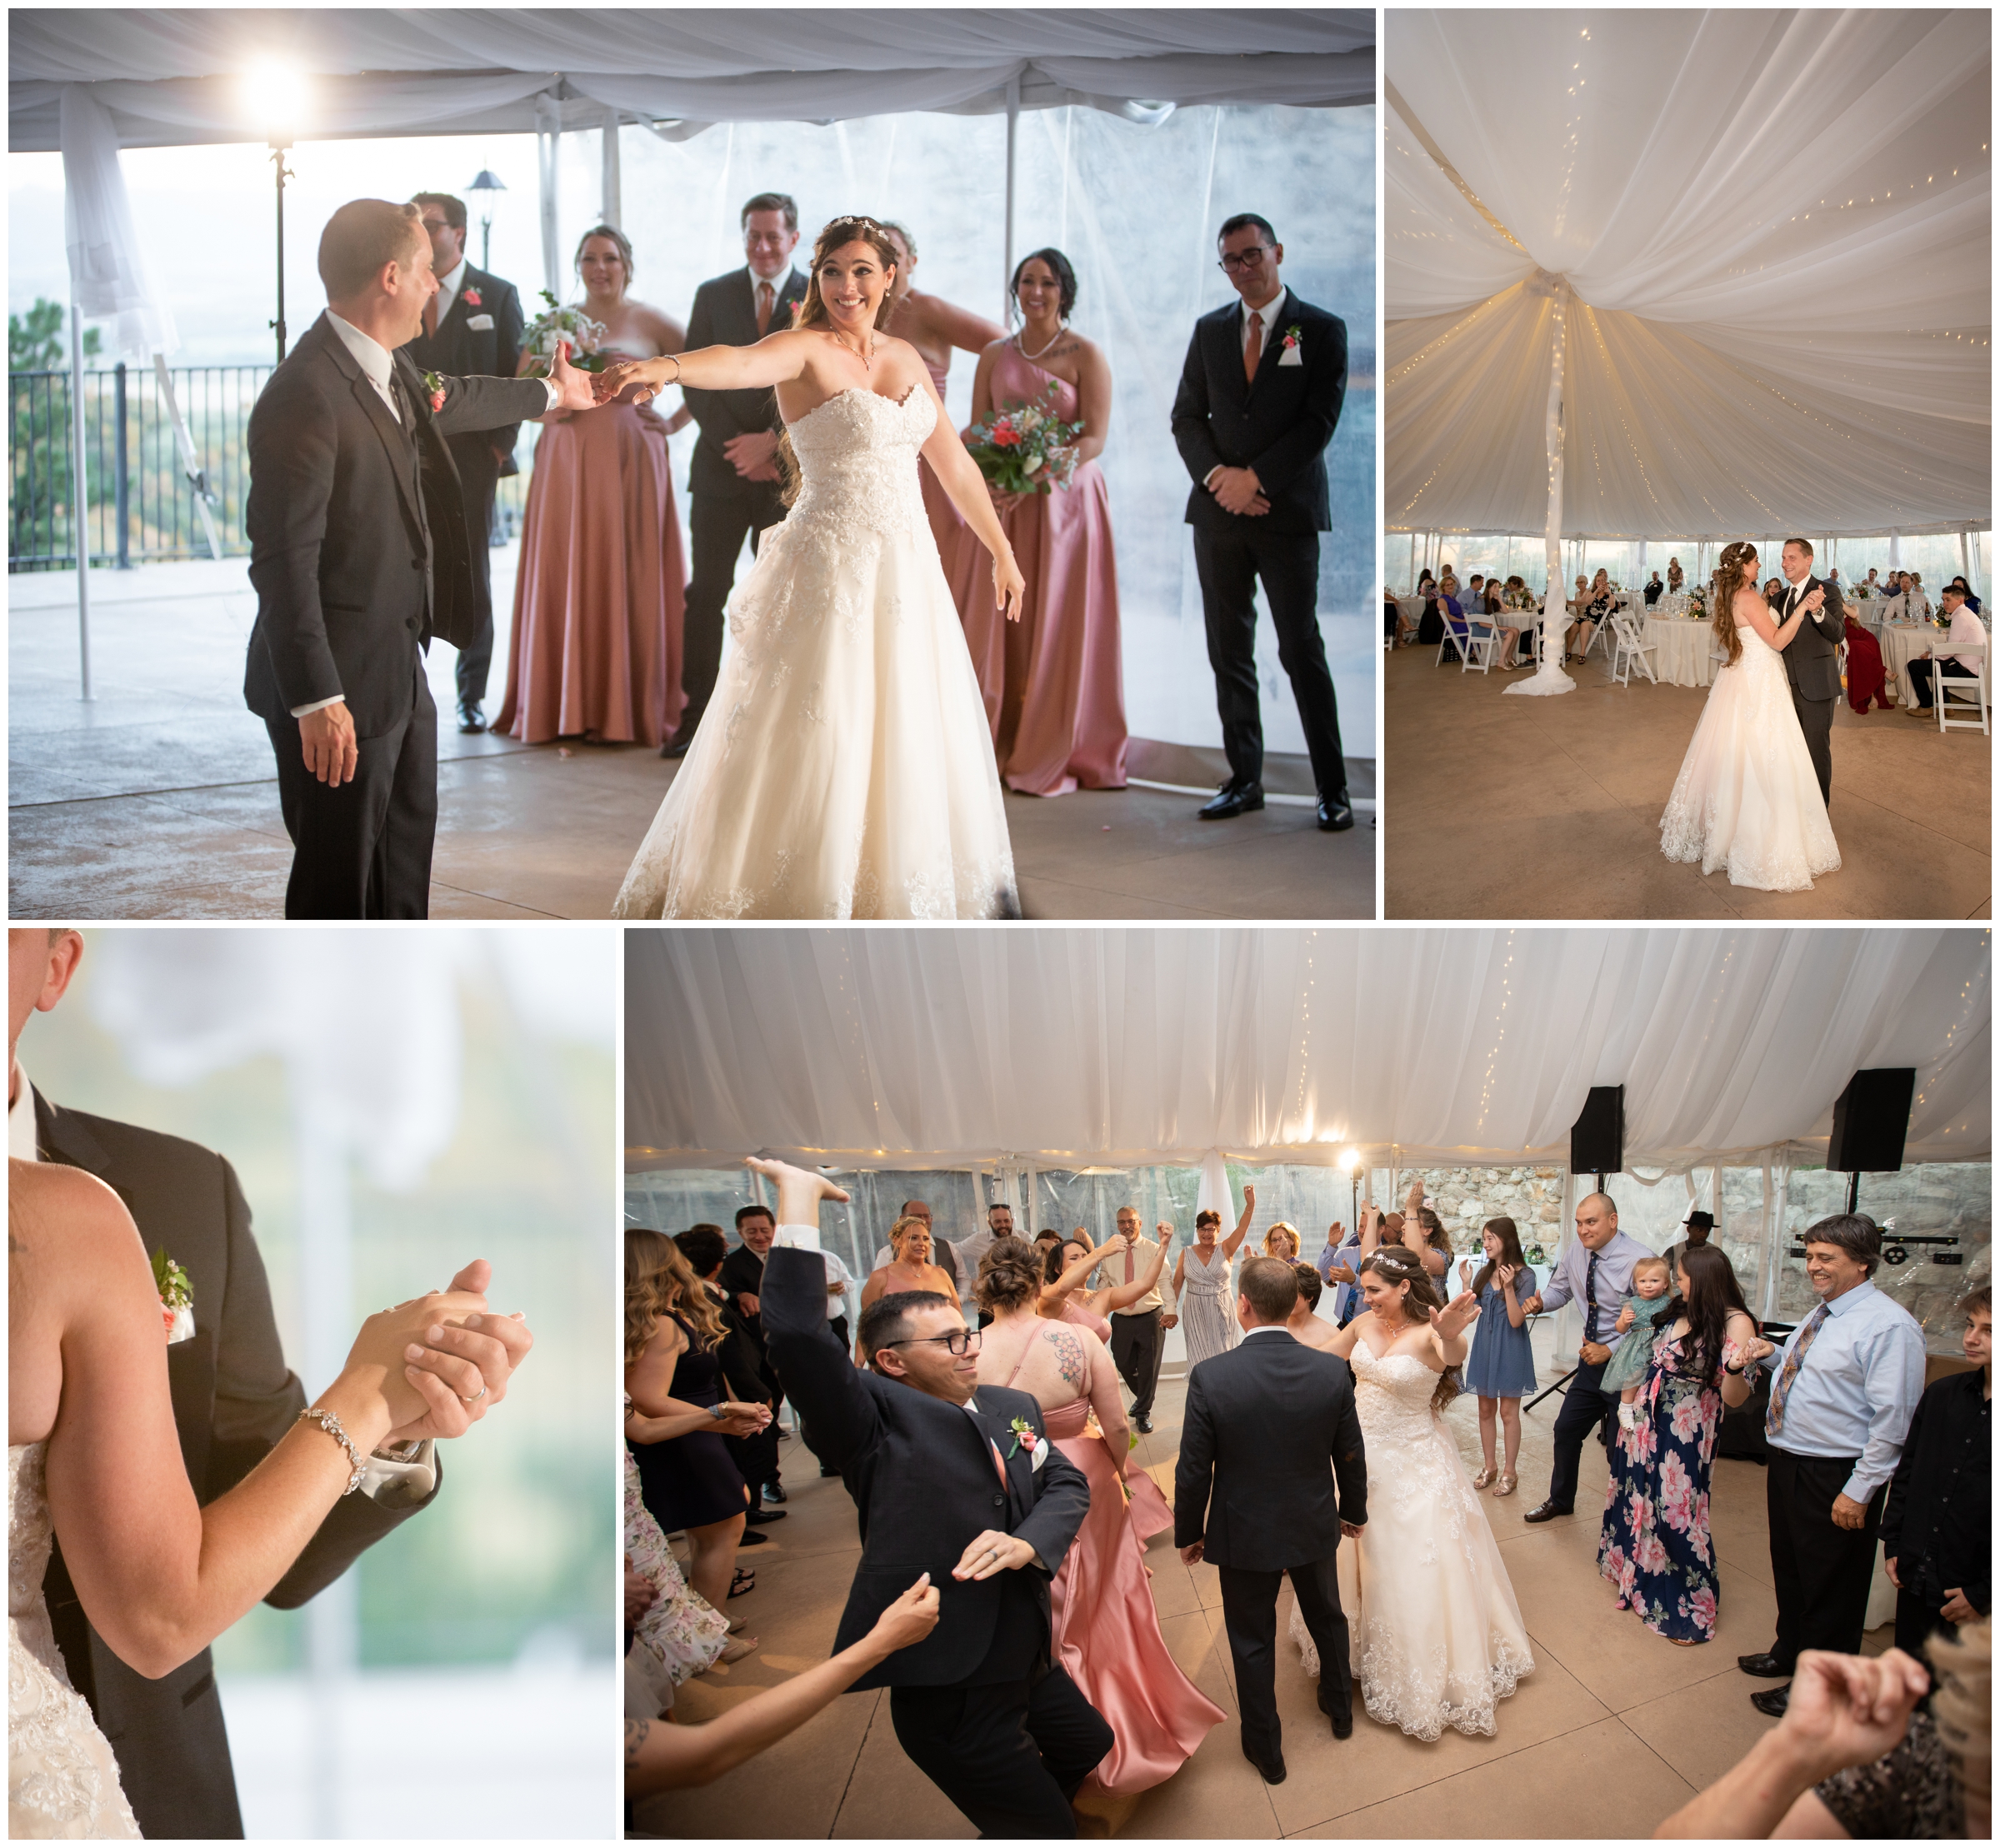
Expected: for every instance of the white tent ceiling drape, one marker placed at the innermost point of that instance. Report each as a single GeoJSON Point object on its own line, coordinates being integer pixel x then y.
{"type": "Point", "coordinates": [910, 1048]}
{"type": "Point", "coordinates": [1770, 231]}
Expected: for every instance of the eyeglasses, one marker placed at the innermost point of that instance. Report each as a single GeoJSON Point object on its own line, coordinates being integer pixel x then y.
{"type": "Point", "coordinates": [1252, 258]}
{"type": "Point", "coordinates": [960, 1340]}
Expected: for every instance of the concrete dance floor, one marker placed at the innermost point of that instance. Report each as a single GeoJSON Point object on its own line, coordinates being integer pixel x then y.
{"type": "Point", "coordinates": [1498, 808]}
{"type": "Point", "coordinates": [159, 800]}
{"type": "Point", "coordinates": [1615, 1729]}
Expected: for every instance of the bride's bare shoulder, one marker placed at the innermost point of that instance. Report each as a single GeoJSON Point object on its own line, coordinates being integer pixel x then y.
{"type": "Point", "coordinates": [66, 1227]}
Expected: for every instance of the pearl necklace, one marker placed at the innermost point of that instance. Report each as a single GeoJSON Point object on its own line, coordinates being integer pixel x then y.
{"type": "Point", "coordinates": [1020, 345]}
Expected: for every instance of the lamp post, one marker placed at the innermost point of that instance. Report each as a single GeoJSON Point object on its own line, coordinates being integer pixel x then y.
{"type": "Point", "coordinates": [487, 183]}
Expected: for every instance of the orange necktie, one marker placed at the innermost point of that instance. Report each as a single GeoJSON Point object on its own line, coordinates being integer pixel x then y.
{"type": "Point", "coordinates": [430, 317]}
{"type": "Point", "coordinates": [765, 296]}
{"type": "Point", "coordinates": [1254, 348]}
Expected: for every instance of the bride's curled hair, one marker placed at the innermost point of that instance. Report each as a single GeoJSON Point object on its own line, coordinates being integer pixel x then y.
{"type": "Point", "coordinates": [1732, 571]}
{"type": "Point", "coordinates": [1010, 1277]}
{"type": "Point", "coordinates": [1393, 1264]}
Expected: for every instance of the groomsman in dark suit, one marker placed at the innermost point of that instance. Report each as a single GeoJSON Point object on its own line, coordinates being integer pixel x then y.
{"type": "Point", "coordinates": [734, 480]}
{"type": "Point", "coordinates": [1259, 398]}
{"type": "Point", "coordinates": [472, 328]}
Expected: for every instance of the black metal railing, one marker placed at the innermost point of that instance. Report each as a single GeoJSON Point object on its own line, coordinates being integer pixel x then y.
{"type": "Point", "coordinates": [143, 505]}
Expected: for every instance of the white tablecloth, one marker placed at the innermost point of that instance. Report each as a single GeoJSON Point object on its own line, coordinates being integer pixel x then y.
{"type": "Point", "coordinates": [1901, 647]}
{"type": "Point", "coordinates": [1681, 650]}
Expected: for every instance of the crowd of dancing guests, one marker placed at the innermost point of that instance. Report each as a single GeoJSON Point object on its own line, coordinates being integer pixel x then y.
{"type": "Point", "coordinates": [1054, 1681]}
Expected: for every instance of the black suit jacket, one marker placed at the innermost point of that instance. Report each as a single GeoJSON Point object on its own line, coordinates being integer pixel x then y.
{"type": "Point", "coordinates": [358, 548]}
{"type": "Point", "coordinates": [1279, 423]}
{"type": "Point", "coordinates": [234, 1399]}
{"type": "Point", "coordinates": [725, 315]}
{"type": "Point", "coordinates": [1252, 1481]}
{"type": "Point", "coordinates": [921, 1472]}
{"type": "Point", "coordinates": [460, 350]}
{"type": "Point", "coordinates": [1812, 656]}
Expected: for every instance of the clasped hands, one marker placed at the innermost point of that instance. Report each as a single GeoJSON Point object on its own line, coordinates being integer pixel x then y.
{"type": "Point", "coordinates": [456, 1357]}
{"type": "Point", "coordinates": [1238, 491]}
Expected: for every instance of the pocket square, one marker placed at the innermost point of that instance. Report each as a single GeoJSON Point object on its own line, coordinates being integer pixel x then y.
{"type": "Point", "coordinates": [1292, 356]}
{"type": "Point", "coordinates": [480, 323]}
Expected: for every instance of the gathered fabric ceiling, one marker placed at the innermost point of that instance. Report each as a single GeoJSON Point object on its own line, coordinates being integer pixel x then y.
{"type": "Point", "coordinates": [1769, 235]}
{"type": "Point", "coordinates": [173, 77]}
{"type": "Point", "coordinates": [889, 1048]}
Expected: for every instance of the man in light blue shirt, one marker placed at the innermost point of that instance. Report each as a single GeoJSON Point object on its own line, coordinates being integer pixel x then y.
{"type": "Point", "coordinates": [1843, 1393]}
{"type": "Point", "coordinates": [1595, 1272]}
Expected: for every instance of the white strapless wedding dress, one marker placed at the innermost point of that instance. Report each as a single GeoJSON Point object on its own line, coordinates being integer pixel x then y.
{"type": "Point", "coordinates": [1437, 1639]}
{"type": "Point", "coordinates": [62, 1779]}
{"type": "Point", "coordinates": [844, 767]}
{"type": "Point", "coordinates": [1747, 798]}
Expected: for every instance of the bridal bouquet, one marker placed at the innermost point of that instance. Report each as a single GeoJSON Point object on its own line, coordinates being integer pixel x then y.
{"type": "Point", "coordinates": [557, 324]}
{"type": "Point", "coordinates": [1027, 448]}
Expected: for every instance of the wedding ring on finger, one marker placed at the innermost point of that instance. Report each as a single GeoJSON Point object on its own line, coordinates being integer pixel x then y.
{"type": "Point", "coordinates": [473, 1398]}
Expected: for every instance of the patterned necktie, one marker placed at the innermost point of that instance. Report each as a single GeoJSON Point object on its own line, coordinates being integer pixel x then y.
{"type": "Point", "coordinates": [1129, 1263]}
{"type": "Point", "coordinates": [765, 296]}
{"type": "Point", "coordinates": [1590, 1297]}
{"type": "Point", "coordinates": [1774, 1422]}
{"type": "Point", "coordinates": [1253, 347]}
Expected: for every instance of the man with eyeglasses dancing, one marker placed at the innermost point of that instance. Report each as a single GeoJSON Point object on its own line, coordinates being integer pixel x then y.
{"type": "Point", "coordinates": [956, 1483]}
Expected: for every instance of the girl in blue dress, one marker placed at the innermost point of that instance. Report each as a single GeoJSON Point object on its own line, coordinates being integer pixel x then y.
{"type": "Point", "coordinates": [1501, 1366]}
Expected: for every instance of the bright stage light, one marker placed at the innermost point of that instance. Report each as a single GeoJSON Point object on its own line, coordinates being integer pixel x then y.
{"type": "Point", "coordinates": [275, 98]}
{"type": "Point", "coordinates": [1350, 1159]}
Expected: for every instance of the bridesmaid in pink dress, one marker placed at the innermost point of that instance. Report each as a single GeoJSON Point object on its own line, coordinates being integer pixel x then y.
{"type": "Point", "coordinates": [1105, 1631]}
{"type": "Point", "coordinates": [1053, 681]}
{"type": "Point", "coordinates": [935, 327]}
{"type": "Point", "coordinates": [595, 651]}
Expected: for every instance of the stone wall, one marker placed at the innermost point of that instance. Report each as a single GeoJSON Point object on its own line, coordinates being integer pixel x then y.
{"type": "Point", "coordinates": [1465, 1198]}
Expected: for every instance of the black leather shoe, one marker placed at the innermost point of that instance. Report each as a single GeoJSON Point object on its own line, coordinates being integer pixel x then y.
{"type": "Point", "coordinates": [825, 1470]}
{"type": "Point", "coordinates": [763, 1517]}
{"type": "Point", "coordinates": [775, 1491]}
{"type": "Point", "coordinates": [1232, 799]}
{"type": "Point", "coordinates": [1548, 1511]}
{"type": "Point", "coordinates": [1343, 1723]}
{"type": "Point", "coordinates": [471, 719]}
{"type": "Point", "coordinates": [1272, 1769]}
{"type": "Point", "coordinates": [1144, 1424]}
{"type": "Point", "coordinates": [749, 1537]}
{"type": "Point", "coordinates": [676, 745]}
{"type": "Point", "coordinates": [1773, 1701]}
{"type": "Point", "coordinates": [1336, 812]}
{"type": "Point", "coordinates": [1766, 1668]}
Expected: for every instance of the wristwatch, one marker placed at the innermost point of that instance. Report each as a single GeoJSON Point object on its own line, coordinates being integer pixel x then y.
{"type": "Point", "coordinates": [717, 1413]}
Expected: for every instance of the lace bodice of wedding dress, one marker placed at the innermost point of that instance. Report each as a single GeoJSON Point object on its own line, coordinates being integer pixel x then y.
{"type": "Point", "coordinates": [844, 767]}
{"type": "Point", "coordinates": [1747, 798]}
{"type": "Point", "coordinates": [62, 1779]}
{"type": "Point", "coordinates": [1436, 1637]}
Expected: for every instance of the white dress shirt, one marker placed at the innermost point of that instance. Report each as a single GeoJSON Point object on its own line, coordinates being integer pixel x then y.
{"type": "Point", "coordinates": [1111, 1272]}
{"type": "Point", "coordinates": [1967, 631]}
{"type": "Point", "coordinates": [1268, 1328]}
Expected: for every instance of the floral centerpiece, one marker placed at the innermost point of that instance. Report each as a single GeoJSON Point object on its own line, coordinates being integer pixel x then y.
{"type": "Point", "coordinates": [557, 324]}
{"type": "Point", "coordinates": [1697, 605]}
{"type": "Point", "coordinates": [1027, 448]}
{"type": "Point", "coordinates": [1521, 599]}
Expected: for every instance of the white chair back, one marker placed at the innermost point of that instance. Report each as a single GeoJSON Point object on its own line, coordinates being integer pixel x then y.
{"type": "Point", "coordinates": [1966, 697]}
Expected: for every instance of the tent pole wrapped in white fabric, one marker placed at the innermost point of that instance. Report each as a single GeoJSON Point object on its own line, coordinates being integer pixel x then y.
{"type": "Point", "coordinates": [1770, 233]}
{"type": "Point", "coordinates": [896, 1049]}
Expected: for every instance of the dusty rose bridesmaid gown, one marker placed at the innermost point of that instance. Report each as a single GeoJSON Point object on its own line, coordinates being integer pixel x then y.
{"type": "Point", "coordinates": [1054, 683]}
{"type": "Point", "coordinates": [1150, 1512]}
{"type": "Point", "coordinates": [595, 646]}
{"type": "Point", "coordinates": [947, 522]}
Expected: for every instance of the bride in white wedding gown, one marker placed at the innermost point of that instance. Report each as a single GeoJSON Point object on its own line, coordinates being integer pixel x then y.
{"type": "Point", "coordinates": [844, 767]}
{"type": "Point", "coordinates": [1437, 1639]}
{"type": "Point", "coordinates": [93, 1462]}
{"type": "Point", "coordinates": [1748, 797]}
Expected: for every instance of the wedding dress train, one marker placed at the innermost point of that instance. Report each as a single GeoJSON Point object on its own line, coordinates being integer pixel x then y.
{"type": "Point", "coordinates": [844, 767]}
{"type": "Point", "coordinates": [62, 1779]}
{"type": "Point", "coordinates": [1436, 1637]}
{"type": "Point", "coordinates": [1748, 797]}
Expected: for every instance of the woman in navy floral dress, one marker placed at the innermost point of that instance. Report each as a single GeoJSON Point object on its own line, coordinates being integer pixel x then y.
{"type": "Point", "coordinates": [1655, 1547]}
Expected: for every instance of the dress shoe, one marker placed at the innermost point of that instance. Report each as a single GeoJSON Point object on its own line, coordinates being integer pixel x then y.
{"type": "Point", "coordinates": [1343, 1723]}
{"type": "Point", "coordinates": [471, 719]}
{"type": "Point", "coordinates": [828, 1470]}
{"type": "Point", "coordinates": [1336, 812]}
{"type": "Point", "coordinates": [1773, 1701]}
{"type": "Point", "coordinates": [1232, 799]}
{"type": "Point", "coordinates": [1548, 1511]}
{"type": "Point", "coordinates": [774, 1491]}
{"type": "Point", "coordinates": [763, 1517]}
{"type": "Point", "coordinates": [676, 745]}
{"type": "Point", "coordinates": [750, 1537]}
{"type": "Point", "coordinates": [1766, 1668]}
{"type": "Point", "coordinates": [1272, 1769]}
{"type": "Point", "coordinates": [1142, 1424]}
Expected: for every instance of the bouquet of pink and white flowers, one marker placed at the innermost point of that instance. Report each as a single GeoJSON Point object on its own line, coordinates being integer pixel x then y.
{"type": "Point", "coordinates": [558, 326]}
{"type": "Point", "coordinates": [1027, 448]}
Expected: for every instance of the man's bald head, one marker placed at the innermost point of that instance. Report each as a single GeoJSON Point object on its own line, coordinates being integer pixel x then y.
{"type": "Point", "coordinates": [1597, 1221]}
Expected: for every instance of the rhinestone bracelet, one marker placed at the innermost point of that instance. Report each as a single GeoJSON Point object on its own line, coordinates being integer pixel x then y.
{"type": "Point", "coordinates": [319, 1415]}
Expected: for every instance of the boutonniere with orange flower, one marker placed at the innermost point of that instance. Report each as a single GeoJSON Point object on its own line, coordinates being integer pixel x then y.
{"type": "Point", "coordinates": [434, 387]}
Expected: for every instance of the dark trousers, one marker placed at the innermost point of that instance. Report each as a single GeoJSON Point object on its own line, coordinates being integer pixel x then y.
{"type": "Point", "coordinates": [1585, 1409]}
{"type": "Point", "coordinates": [478, 477]}
{"type": "Point", "coordinates": [1821, 1572]}
{"type": "Point", "coordinates": [717, 526]}
{"type": "Point", "coordinates": [1918, 1619]}
{"type": "Point", "coordinates": [1135, 1346]}
{"type": "Point", "coordinates": [1230, 565]}
{"type": "Point", "coordinates": [1250, 1616]}
{"type": "Point", "coordinates": [1920, 677]}
{"type": "Point", "coordinates": [757, 1457]}
{"type": "Point", "coordinates": [363, 850]}
{"type": "Point", "coordinates": [1816, 720]}
{"type": "Point", "coordinates": [1009, 1755]}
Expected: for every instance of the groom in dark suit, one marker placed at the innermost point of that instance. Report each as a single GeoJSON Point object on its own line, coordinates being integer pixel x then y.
{"type": "Point", "coordinates": [472, 328]}
{"type": "Point", "coordinates": [733, 482]}
{"type": "Point", "coordinates": [234, 1399]}
{"type": "Point", "coordinates": [359, 555]}
{"type": "Point", "coordinates": [956, 1479]}
{"type": "Point", "coordinates": [1253, 1497]}
{"type": "Point", "coordinates": [1813, 656]}
{"type": "Point", "coordinates": [1259, 398]}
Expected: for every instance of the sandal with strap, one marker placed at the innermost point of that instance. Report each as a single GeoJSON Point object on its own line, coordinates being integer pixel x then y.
{"type": "Point", "coordinates": [735, 1652]}
{"type": "Point", "coordinates": [1506, 1484]}
{"type": "Point", "coordinates": [743, 1584]}
{"type": "Point", "coordinates": [1484, 1476]}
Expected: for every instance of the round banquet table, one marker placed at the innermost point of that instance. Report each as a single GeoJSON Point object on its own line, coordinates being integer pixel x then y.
{"type": "Point", "coordinates": [1669, 603]}
{"type": "Point", "coordinates": [1681, 650]}
{"type": "Point", "coordinates": [1901, 647]}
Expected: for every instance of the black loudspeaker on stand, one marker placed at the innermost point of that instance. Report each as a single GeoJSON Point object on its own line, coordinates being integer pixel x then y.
{"type": "Point", "coordinates": [1870, 1122]}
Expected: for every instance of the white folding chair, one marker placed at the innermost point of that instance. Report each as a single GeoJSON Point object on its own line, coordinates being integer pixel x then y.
{"type": "Point", "coordinates": [1596, 634]}
{"type": "Point", "coordinates": [1971, 695]}
{"type": "Point", "coordinates": [1629, 645]}
{"type": "Point", "coordinates": [1474, 644]}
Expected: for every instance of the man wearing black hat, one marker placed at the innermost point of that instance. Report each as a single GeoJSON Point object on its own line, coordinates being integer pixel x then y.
{"type": "Point", "coordinates": [1697, 1226]}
